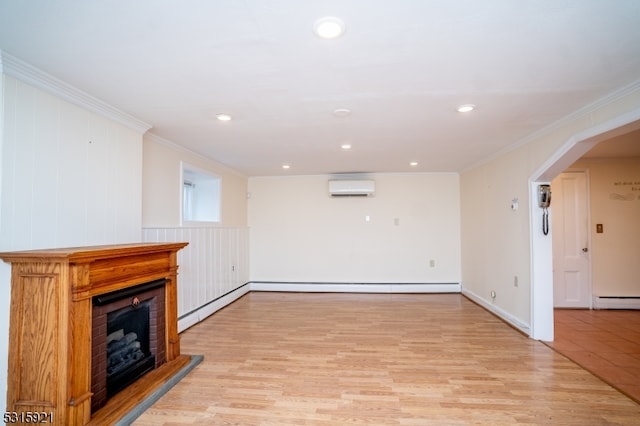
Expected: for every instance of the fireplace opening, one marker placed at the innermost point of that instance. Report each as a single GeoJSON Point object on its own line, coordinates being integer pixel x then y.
{"type": "Point", "coordinates": [128, 355]}
{"type": "Point", "coordinates": [128, 338]}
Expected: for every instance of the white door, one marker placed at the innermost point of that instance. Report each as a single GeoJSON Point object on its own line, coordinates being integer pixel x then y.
{"type": "Point", "coordinates": [571, 257]}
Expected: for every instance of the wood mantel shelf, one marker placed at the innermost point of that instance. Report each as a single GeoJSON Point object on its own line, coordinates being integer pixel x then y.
{"type": "Point", "coordinates": [50, 325]}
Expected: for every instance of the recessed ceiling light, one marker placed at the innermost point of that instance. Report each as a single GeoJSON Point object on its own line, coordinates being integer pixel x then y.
{"type": "Point", "coordinates": [223, 117]}
{"type": "Point", "coordinates": [345, 146]}
{"type": "Point", "coordinates": [286, 166]}
{"type": "Point", "coordinates": [341, 112]}
{"type": "Point", "coordinates": [466, 108]}
{"type": "Point", "coordinates": [413, 163]}
{"type": "Point", "coordinates": [328, 27]}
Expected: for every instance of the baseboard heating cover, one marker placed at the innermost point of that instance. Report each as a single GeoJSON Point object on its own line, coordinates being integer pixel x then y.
{"type": "Point", "coordinates": [191, 318]}
{"type": "Point", "coordinates": [331, 287]}
{"type": "Point", "coordinates": [616, 302]}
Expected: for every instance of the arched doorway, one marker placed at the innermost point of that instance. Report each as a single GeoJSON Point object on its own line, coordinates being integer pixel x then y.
{"type": "Point", "coordinates": [541, 259]}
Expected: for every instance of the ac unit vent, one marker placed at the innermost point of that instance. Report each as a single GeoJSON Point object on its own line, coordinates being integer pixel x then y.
{"type": "Point", "coordinates": [351, 188]}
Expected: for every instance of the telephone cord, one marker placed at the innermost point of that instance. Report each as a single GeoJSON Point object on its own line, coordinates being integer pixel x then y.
{"type": "Point", "coordinates": [545, 222]}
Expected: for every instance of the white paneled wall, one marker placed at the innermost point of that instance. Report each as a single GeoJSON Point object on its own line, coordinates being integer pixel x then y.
{"type": "Point", "coordinates": [213, 268]}
{"type": "Point", "coordinates": [69, 176]}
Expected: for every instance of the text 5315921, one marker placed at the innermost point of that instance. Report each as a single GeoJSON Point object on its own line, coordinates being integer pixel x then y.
{"type": "Point", "coordinates": [28, 417]}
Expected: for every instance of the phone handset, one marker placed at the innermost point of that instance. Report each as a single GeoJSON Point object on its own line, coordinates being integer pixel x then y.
{"type": "Point", "coordinates": [544, 201]}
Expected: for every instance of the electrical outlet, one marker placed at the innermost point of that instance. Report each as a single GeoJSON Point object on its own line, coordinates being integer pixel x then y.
{"type": "Point", "coordinates": [493, 294]}
{"type": "Point", "coordinates": [432, 263]}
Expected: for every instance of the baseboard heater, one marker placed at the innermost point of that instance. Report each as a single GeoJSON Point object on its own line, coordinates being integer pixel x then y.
{"type": "Point", "coordinates": [352, 287]}
{"type": "Point", "coordinates": [203, 311]}
{"type": "Point", "coordinates": [616, 302]}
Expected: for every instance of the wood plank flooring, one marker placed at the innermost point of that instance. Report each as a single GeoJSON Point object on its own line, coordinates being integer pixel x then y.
{"type": "Point", "coordinates": [332, 359]}
{"type": "Point", "coordinates": [605, 342]}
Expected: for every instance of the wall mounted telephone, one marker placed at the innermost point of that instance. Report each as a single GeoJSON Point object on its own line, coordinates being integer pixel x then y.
{"type": "Point", "coordinates": [544, 201]}
{"type": "Point", "coordinates": [544, 196]}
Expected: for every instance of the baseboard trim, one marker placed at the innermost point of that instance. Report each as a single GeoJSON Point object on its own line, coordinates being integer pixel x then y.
{"type": "Point", "coordinates": [333, 287]}
{"type": "Point", "coordinates": [192, 318]}
{"type": "Point", "coordinates": [500, 313]}
{"type": "Point", "coordinates": [611, 302]}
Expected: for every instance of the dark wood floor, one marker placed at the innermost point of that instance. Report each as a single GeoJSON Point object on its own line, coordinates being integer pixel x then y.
{"type": "Point", "coordinates": [605, 342]}
{"type": "Point", "coordinates": [334, 359]}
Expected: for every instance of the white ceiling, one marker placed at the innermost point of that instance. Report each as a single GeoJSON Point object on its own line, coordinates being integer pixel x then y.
{"type": "Point", "coordinates": [402, 67]}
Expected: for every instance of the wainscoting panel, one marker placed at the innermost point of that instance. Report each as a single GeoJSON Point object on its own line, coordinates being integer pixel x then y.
{"type": "Point", "coordinates": [214, 265]}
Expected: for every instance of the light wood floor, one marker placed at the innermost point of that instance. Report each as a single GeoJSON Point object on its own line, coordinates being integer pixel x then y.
{"type": "Point", "coordinates": [333, 359]}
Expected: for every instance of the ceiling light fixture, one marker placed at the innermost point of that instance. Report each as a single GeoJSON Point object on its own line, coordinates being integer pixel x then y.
{"type": "Point", "coordinates": [413, 163]}
{"type": "Point", "coordinates": [345, 146]}
{"type": "Point", "coordinates": [223, 117]}
{"type": "Point", "coordinates": [341, 112]}
{"type": "Point", "coordinates": [466, 108]}
{"type": "Point", "coordinates": [328, 27]}
{"type": "Point", "coordinates": [286, 166]}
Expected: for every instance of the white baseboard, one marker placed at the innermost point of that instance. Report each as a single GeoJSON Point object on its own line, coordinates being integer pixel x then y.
{"type": "Point", "coordinates": [356, 287]}
{"type": "Point", "coordinates": [515, 322]}
{"type": "Point", "coordinates": [603, 302]}
{"type": "Point", "coordinates": [194, 317]}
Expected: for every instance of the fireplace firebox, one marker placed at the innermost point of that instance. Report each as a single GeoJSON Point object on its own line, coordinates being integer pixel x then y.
{"type": "Point", "coordinates": [127, 338]}
{"type": "Point", "coordinates": [128, 355]}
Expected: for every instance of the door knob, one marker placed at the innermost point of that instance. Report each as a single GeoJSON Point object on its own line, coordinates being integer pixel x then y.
{"type": "Point", "coordinates": [586, 249]}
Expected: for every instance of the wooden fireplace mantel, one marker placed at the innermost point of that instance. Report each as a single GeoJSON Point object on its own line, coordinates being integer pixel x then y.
{"type": "Point", "coordinates": [50, 326]}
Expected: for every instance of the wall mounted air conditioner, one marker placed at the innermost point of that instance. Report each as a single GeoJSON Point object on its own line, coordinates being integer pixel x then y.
{"type": "Point", "coordinates": [351, 188]}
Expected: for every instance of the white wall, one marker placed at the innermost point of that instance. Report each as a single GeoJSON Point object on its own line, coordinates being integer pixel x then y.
{"type": "Point", "coordinates": [5, 271]}
{"type": "Point", "coordinates": [614, 193]}
{"type": "Point", "coordinates": [69, 178]}
{"type": "Point", "coordinates": [300, 234]}
{"type": "Point", "coordinates": [495, 237]}
{"type": "Point", "coordinates": [163, 185]}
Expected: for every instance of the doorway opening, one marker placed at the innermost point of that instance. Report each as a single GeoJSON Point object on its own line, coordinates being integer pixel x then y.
{"type": "Point", "coordinates": [542, 288]}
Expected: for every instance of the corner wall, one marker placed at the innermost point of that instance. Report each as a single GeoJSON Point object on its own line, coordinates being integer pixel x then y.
{"type": "Point", "coordinates": [214, 267]}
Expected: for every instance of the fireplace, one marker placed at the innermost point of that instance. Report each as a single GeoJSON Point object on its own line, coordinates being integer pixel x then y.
{"type": "Point", "coordinates": [128, 338]}
{"type": "Point", "coordinates": [58, 296]}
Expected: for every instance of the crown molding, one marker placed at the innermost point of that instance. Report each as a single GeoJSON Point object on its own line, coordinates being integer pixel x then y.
{"type": "Point", "coordinates": [16, 68]}
{"type": "Point", "coordinates": [152, 137]}
{"type": "Point", "coordinates": [585, 111]}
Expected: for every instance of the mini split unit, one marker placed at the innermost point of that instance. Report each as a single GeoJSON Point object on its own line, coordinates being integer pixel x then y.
{"type": "Point", "coordinates": [351, 188]}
